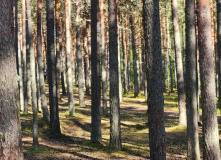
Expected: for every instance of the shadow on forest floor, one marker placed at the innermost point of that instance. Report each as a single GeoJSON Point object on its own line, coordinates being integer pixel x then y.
{"type": "Point", "coordinates": [74, 142]}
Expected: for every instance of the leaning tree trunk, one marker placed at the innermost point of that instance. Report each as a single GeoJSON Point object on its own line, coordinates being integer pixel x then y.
{"type": "Point", "coordinates": [211, 147]}
{"type": "Point", "coordinates": [179, 65]}
{"type": "Point", "coordinates": [154, 75]}
{"type": "Point", "coordinates": [51, 69]}
{"type": "Point", "coordinates": [191, 85]}
{"type": "Point", "coordinates": [10, 126]}
{"type": "Point", "coordinates": [115, 130]}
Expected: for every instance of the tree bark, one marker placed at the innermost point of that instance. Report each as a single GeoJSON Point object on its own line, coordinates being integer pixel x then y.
{"type": "Point", "coordinates": [154, 76]}
{"type": "Point", "coordinates": [24, 56]}
{"type": "Point", "coordinates": [58, 51]}
{"type": "Point", "coordinates": [119, 54]}
{"type": "Point", "coordinates": [219, 46]}
{"type": "Point", "coordinates": [135, 58]}
{"type": "Point", "coordinates": [10, 126]}
{"type": "Point", "coordinates": [40, 66]}
{"type": "Point", "coordinates": [32, 72]}
{"type": "Point", "coordinates": [179, 65]}
{"type": "Point", "coordinates": [69, 57]}
{"type": "Point", "coordinates": [115, 130]}
{"type": "Point", "coordinates": [211, 148]}
{"type": "Point", "coordinates": [79, 55]}
{"type": "Point", "coordinates": [95, 68]}
{"type": "Point", "coordinates": [103, 62]}
{"type": "Point", "coordinates": [86, 48]}
{"type": "Point", "coordinates": [51, 69]}
{"type": "Point", "coordinates": [193, 151]}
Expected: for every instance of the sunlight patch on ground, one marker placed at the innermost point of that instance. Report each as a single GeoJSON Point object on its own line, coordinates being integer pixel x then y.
{"type": "Point", "coordinates": [176, 129]}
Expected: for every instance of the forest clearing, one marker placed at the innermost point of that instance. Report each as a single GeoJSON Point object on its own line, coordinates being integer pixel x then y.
{"type": "Point", "coordinates": [74, 142]}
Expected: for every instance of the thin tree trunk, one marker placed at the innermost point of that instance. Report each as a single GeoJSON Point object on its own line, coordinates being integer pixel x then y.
{"type": "Point", "coordinates": [40, 66]}
{"type": "Point", "coordinates": [51, 62]}
{"type": "Point", "coordinates": [119, 54]}
{"type": "Point", "coordinates": [219, 45]}
{"type": "Point", "coordinates": [211, 147]}
{"type": "Point", "coordinates": [86, 48]}
{"type": "Point", "coordinates": [135, 59]}
{"type": "Point", "coordinates": [63, 62]}
{"type": "Point", "coordinates": [58, 53]}
{"type": "Point", "coordinates": [125, 60]}
{"type": "Point", "coordinates": [179, 66]}
{"type": "Point", "coordinates": [33, 77]}
{"type": "Point", "coordinates": [95, 68]}
{"type": "Point", "coordinates": [193, 151]}
{"type": "Point", "coordinates": [24, 56]}
{"type": "Point", "coordinates": [103, 62]}
{"type": "Point", "coordinates": [18, 55]}
{"type": "Point", "coordinates": [154, 76]}
{"type": "Point", "coordinates": [79, 55]}
{"type": "Point", "coordinates": [115, 130]}
{"type": "Point", "coordinates": [69, 57]}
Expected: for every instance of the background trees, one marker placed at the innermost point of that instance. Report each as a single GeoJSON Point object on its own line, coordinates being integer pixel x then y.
{"type": "Point", "coordinates": [81, 31]}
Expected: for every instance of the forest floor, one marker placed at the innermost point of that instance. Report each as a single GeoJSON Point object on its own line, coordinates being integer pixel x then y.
{"type": "Point", "coordinates": [74, 142]}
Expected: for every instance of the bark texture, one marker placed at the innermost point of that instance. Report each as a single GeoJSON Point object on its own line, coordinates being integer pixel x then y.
{"type": "Point", "coordinates": [103, 57]}
{"type": "Point", "coordinates": [193, 151]}
{"type": "Point", "coordinates": [95, 69]}
{"type": "Point", "coordinates": [79, 55]}
{"type": "Point", "coordinates": [54, 117]}
{"type": "Point", "coordinates": [40, 65]}
{"type": "Point", "coordinates": [58, 50]}
{"type": "Point", "coordinates": [135, 58]}
{"type": "Point", "coordinates": [24, 56]}
{"type": "Point", "coordinates": [115, 130]}
{"type": "Point", "coordinates": [69, 57]}
{"type": "Point", "coordinates": [179, 65]}
{"type": "Point", "coordinates": [10, 127]}
{"type": "Point", "coordinates": [155, 91]}
{"type": "Point", "coordinates": [211, 148]}
{"type": "Point", "coordinates": [32, 74]}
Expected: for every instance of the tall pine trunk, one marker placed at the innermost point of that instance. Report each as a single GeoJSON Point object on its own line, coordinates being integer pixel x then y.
{"type": "Point", "coordinates": [24, 56]}
{"type": "Point", "coordinates": [51, 69]}
{"type": "Point", "coordinates": [33, 74]}
{"type": "Point", "coordinates": [79, 55]}
{"type": "Point", "coordinates": [40, 65]}
{"type": "Point", "coordinates": [69, 57]}
{"type": "Point", "coordinates": [10, 126]}
{"type": "Point", "coordinates": [135, 58]}
{"type": "Point", "coordinates": [95, 69]}
{"type": "Point", "coordinates": [103, 62]}
{"type": "Point", "coordinates": [58, 50]}
{"type": "Point", "coordinates": [211, 147]}
{"type": "Point", "coordinates": [179, 65]}
{"type": "Point", "coordinates": [115, 130]}
{"type": "Point", "coordinates": [154, 76]}
{"type": "Point", "coordinates": [191, 85]}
